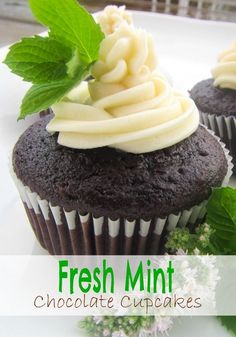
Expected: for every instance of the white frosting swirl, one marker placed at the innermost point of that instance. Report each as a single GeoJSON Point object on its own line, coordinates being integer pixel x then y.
{"type": "Point", "coordinates": [128, 106]}
{"type": "Point", "coordinates": [126, 58]}
{"type": "Point", "coordinates": [224, 73]}
{"type": "Point", "coordinates": [112, 17]}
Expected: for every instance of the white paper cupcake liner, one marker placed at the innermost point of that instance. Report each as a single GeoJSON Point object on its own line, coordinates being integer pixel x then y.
{"type": "Point", "coordinates": [225, 128]}
{"type": "Point", "coordinates": [72, 233]}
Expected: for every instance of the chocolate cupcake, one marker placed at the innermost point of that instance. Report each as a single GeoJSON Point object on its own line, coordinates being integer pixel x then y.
{"type": "Point", "coordinates": [121, 161]}
{"type": "Point", "coordinates": [216, 100]}
{"type": "Point", "coordinates": [107, 201]}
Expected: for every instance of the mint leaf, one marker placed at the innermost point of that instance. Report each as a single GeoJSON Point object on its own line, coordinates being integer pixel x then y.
{"type": "Point", "coordinates": [222, 206]}
{"type": "Point", "coordinates": [39, 59]}
{"type": "Point", "coordinates": [219, 239]}
{"type": "Point", "coordinates": [41, 96]}
{"type": "Point", "coordinates": [57, 63]}
{"type": "Point", "coordinates": [71, 24]}
{"type": "Point", "coordinates": [72, 65]}
{"type": "Point", "coordinates": [221, 216]}
{"type": "Point", "coordinates": [229, 322]}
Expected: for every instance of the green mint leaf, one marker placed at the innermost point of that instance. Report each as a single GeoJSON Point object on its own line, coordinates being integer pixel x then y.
{"type": "Point", "coordinates": [229, 322]}
{"type": "Point", "coordinates": [42, 96]}
{"type": "Point", "coordinates": [39, 59]}
{"type": "Point", "coordinates": [73, 64]}
{"type": "Point", "coordinates": [71, 24]}
{"type": "Point", "coordinates": [57, 63]}
{"type": "Point", "coordinates": [221, 216]}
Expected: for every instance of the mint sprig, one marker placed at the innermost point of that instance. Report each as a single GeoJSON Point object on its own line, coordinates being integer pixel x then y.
{"type": "Point", "coordinates": [60, 61]}
{"type": "Point", "coordinates": [122, 326]}
{"type": "Point", "coordinates": [219, 238]}
{"type": "Point", "coordinates": [39, 59]}
{"type": "Point", "coordinates": [181, 239]}
{"type": "Point", "coordinates": [71, 24]}
{"type": "Point", "coordinates": [42, 96]}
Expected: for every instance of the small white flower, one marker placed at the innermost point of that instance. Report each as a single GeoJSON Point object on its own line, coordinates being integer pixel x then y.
{"type": "Point", "coordinates": [207, 228]}
{"type": "Point", "coordinates": [119, 334]}
{"type": "Point", "coordinates": [97, 319]}
{"type": "Point", "coordinates": [184, 265]}
{"type": "Point", "coordinates": [163, 324]}
{"type": "Point", "coordinates": [196, 251]}
{"type": "Point", "coordinates": [180, 251]}
{"type": "Point", "coordinates": [190, 274]}
{"type": "Point", "coordinates": [106, 332]}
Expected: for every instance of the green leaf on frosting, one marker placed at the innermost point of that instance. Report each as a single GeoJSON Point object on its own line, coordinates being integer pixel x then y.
{"type": "Point", "coordinates": [41, 96]}
{"type": "Point", "coordinates": [39, 59]}
{"type": "Point", "coordinates": [60, 61]}
{"type": "Point", "coordinates": [71, 24]}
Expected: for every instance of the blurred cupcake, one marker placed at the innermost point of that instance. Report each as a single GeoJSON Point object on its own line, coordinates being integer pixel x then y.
{"type": "Point", "coordinates": [122, 161]}
{"type": "Point", "coordinates": [216, 99]}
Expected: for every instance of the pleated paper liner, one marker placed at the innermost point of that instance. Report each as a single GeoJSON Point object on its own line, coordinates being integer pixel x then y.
{"type": "Point", "coordinates": [72, 233]}
{"type": "Point", "coordinates": [225, 128]}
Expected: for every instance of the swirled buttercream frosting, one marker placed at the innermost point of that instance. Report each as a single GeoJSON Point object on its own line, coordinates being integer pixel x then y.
{"type": "Point", "coordinates": [112, 17]}
{"type": "Point", "coordinates": [224, 73]}
{"type": "Point", "coordinates": [128, 105]}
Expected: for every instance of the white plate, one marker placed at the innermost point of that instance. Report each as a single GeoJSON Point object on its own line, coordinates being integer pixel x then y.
{"type": "Point", "coordinates": [187, 49]}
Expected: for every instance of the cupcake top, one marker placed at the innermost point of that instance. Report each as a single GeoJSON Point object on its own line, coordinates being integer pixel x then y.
{"type": "Point", "coordinates": [117, 184]}
{"type": "Point", "coordinates": [214, 100]}
{"type": "Point", "coordinates": [224, 73]}
{"type": "Point", "coordinates": [217, 95]}
{"type": "Point", "coordinates": [127, 105]}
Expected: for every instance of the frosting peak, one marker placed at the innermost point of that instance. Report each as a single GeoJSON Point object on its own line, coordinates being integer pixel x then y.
{"type": "Point", "coordinates": [127, 58]}
{"type": "Point", "coordinates": [224, 73]}
{"type": "Point", "coordinates": [112, 17]}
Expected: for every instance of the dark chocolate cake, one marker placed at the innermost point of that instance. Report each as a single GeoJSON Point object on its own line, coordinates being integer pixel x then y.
{"type": "Point", "coordinates": [214, 100]}
{"type": "Point", "coordinates": [107, 182]}
{"type": "Point", "coordinates": [220, 105]}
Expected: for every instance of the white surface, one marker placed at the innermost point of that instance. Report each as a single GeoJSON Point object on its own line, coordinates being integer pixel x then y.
{"type": "Point", "coordinates": [187, 49]}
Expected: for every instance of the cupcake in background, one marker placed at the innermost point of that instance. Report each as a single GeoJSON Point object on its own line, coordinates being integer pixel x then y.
{"type": "Point", "coordinates": [216, 99]}
{"type": "Point", "coordinates": [123, 160]}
